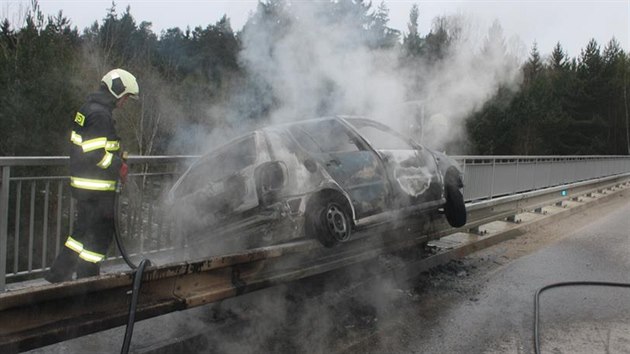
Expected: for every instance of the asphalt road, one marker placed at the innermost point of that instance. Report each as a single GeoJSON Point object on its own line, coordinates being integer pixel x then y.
{"type": "Point", "coordinates": [485, 305]}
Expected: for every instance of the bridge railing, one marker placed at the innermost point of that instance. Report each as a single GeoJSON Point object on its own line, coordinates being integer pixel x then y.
{"type": "Point", "coordinates": [37, 211]}
{"type": "Point", "coordinates": [487, 177]}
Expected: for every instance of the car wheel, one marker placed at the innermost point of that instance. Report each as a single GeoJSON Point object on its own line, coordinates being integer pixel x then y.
{"type": "Point", "coordinates": [329, 222]}
{"type": "Point", "coordinates": [455, 209]}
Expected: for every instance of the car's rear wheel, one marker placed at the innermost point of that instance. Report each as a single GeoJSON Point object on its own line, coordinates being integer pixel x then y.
{"type": "Point", "coordinates": [329, 221]}
{"type": "Point", "coordinates": [454, 209]}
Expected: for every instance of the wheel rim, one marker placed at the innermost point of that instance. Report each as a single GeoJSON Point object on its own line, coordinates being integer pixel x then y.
{"type": "Point", "coordinates": [337, 222]}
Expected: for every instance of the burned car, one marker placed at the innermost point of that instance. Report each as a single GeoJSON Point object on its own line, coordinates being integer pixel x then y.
{"type": "Point", "coordinates": [324, 178]}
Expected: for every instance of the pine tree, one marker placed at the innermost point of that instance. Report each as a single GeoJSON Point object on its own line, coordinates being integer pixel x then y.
{"type": "Point", "coordinates": [614, 76]}
{"type": "Point", "coordinates": [534, 65]}
{"type": "Point", "coordinates": [558, 59]}
{"type": "Point", "coordinates": [412, 43]}
{"type": "Point", "coordinates": [438, 41]}
{"type": "Point", "coordinates": [380, 35]}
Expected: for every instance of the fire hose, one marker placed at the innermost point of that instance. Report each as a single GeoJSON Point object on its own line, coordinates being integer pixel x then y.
{"type": "Point", "coordinates": [138, 272]}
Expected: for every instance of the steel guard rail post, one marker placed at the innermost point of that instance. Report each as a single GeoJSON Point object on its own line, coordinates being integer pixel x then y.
{"type": "Point", "coordinates": [4, 224]}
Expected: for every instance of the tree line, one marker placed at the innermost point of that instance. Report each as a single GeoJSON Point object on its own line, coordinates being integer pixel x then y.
{"type": "Point", "coordinates": [564, 106]}
{"type": "Point", "coordinates": [561, 105]}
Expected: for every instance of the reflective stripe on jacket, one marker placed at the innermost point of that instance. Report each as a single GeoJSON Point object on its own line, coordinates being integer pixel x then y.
{"type": "Point", "coordinates": [94, 162]}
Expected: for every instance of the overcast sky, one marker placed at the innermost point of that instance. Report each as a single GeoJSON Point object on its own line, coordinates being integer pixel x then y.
{"type": "Point", "coordinates": [573, 23]}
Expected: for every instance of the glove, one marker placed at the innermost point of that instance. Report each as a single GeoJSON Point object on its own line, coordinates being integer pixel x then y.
{"type": "Point", "coordinates": [124, 171]}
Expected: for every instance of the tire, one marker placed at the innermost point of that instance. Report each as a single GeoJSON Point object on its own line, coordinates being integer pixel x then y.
{"type": "Point", "coordinates": [329, 222]}
{"type": "Point", "coordinates": [454, 209]}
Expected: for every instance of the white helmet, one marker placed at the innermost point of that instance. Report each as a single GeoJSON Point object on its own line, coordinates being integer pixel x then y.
{"type": "Point", "coordinates": [120, 82]}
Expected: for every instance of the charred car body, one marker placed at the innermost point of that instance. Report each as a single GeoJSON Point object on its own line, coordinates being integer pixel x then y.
{"type": "Point", "coordinates": [324, 178]}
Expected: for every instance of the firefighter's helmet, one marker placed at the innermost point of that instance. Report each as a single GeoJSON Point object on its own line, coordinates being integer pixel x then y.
{"type": "Point", "coordinates": [120, 82]}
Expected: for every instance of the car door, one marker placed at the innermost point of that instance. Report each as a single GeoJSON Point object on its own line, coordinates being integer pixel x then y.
{"type": "Point", "coordinates": [411, 168]}
{"type": "Point", "coordinates": [355, 167]}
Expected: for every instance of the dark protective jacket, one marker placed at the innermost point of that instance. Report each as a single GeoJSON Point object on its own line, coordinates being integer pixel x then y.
{"type": "Point", "coordinates": [94, 152]}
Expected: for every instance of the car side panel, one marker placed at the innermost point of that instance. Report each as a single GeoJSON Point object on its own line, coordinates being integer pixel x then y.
{"type": "Point", "coordinates": [363, 178]}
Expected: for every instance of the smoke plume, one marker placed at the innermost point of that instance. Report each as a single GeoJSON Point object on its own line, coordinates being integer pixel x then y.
{"type": "Point", "coordinates": [310, 64]}
{"type": "Point", "coordinates": [321, 67]}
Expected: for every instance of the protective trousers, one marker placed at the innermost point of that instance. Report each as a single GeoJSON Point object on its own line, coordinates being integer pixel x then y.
{"type": "Point", "coordinates": [88, 244]}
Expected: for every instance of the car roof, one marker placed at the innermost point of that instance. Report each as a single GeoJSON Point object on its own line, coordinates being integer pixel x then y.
{"type": "Point", "coordinates": [297, 122]}
{"type": "Point", "coordinates": [284, 126]}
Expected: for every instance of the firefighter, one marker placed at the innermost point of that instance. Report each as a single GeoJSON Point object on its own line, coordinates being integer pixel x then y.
{"type": "Point", "coordinates": [96, 165]}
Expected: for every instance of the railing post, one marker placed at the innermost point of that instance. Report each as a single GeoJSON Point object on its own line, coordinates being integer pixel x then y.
{"type": "Point", "coordinates": [463, 173]}
{"type": "Point", "coordinates": [516, 188]}
{"type": "Point", "coordinates": [494, 162]}
{"type": "Point", "coordinates": [4, 224]}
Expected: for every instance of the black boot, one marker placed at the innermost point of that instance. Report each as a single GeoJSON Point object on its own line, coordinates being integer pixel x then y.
{"type": "Point", "coordinates": [87, 269]}
{"type": "Point", "coordinates": [63, 267]}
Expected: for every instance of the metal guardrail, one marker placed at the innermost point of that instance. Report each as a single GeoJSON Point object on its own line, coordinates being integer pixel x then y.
{"type": "Point", "coordinates": [35, 317]}
{"type": "Point", "coordinates": [487, 177]}
{"type": "Point", "coordinates": [36, 211]}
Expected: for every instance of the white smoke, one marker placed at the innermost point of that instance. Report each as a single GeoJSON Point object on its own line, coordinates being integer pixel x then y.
{"type": "Point", "coordinates": [319, 68]}
{"type": "Point", "coordinates": [469, 76]}
{"type": "Point", "coordinates": [322, 68]}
